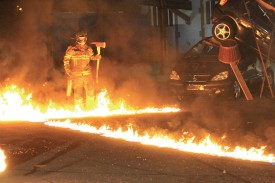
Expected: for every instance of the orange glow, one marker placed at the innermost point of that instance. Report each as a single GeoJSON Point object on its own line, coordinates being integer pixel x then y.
{"type": "Point", "coordinates": [206, 146]}
{"type": "Point", "coordinates": [2, 161]}
{"type": "Point", "coordinates": [223, 2]}
{"type": "Point", "coordinates": [17, 105]}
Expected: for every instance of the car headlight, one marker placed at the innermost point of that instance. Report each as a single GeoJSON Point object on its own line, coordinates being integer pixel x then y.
{"type": "Point", "coordinates": [221, 76]}
{"type": "Point", "coordinates": [174, 75]}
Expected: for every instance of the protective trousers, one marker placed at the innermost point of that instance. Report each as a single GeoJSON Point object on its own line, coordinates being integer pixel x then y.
{"type": "Point", "coordinates": [83, 87]}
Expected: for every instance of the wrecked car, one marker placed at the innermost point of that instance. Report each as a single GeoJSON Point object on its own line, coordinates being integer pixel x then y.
{"type": "Point", "coordinates": [245, 21]}
{"type": "Point", "coordinates": [199, 73]}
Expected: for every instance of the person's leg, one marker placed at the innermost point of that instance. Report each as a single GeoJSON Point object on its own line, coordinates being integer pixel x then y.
{"type": "Point", "coordinates": [89, 91]}
{"type": "Point", "coordinates": [78, 91]}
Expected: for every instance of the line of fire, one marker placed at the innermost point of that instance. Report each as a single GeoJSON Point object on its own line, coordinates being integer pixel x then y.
{"type": "Point", "coordinates": [137, 91]}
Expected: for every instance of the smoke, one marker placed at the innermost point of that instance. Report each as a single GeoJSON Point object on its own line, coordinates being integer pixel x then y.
{"type": "Point", "coordinates": [24, 54]}
{"type": "Point", "coordinates": [131, 83]}
{"type": "Point", "coordinates": [32, 51]}
{"type": "Point", "coordinates": [131, 59]}
{"type": "Point", "coordinates": [238, 122]}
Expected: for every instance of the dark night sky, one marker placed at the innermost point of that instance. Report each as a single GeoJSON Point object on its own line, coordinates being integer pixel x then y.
{"type": "Point", "coordinates": [9, 16]}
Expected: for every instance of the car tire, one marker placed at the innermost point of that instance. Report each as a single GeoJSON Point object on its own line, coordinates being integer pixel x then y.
{"type": "Point", "coordinates": [223, 30]}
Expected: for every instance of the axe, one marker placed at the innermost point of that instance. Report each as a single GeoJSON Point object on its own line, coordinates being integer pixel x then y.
{"type": "Point", "coordinates": [98, 46]}
{"type": "Point", "coordinates": [69, 87]}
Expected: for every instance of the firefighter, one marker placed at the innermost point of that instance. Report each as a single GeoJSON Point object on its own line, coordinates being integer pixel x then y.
{"type": "Point", "coordinates": [79, 70]}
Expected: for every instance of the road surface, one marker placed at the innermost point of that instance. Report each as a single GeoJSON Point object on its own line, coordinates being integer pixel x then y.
{"type": "Point", "coordinates": [37, 153]}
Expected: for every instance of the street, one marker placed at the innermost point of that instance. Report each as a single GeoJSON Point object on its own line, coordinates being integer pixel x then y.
{"type": "Point", "coordinates": [40, 153]}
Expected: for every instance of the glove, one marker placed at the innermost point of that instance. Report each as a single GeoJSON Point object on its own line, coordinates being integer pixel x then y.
{"type": "Point", "coordinates": [69, 74]}
{"type": "Point", "coordinates": [98, 57]}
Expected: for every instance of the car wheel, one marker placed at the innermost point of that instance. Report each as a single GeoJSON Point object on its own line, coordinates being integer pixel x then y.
{"type": "Point", "coordinates": [223, 30]}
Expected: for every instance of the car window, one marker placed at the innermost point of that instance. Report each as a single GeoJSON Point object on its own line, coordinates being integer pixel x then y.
{"type": "Point", "coordinates": [258, 13]}
{"type": "Point", "coordinates": [202, 49]}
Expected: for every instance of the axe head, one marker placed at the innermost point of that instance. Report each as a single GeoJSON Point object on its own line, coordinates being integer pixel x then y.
{"type": "Point", "coordinates": [99, 44]}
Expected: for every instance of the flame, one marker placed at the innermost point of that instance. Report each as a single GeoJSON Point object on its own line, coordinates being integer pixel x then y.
{"type": "Point", "coordinates": [17, 101]}
{"type": "Point", "coordinates": [2, 161]}
{"type": "Point", "coordinates": [16, 104]}
{"type": "Point", "coordinates": [206, 146]}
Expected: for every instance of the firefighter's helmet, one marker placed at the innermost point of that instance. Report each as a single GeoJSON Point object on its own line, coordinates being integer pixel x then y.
{"type": "Point", "coordinates": [81, 37]}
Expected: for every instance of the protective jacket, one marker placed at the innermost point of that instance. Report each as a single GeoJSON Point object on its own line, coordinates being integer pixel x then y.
{"type": "Point", "coordinates": [77, 60]}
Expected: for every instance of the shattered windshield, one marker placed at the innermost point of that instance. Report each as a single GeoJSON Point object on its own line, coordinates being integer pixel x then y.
{"type": "Point", "coordinates": [202, 49]}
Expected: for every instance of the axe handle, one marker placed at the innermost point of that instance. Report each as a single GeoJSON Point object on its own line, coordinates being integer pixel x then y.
{"type": "Point", "coordinates": [69, 87]}
{"type": "Point", "coordinates": [97, 65]}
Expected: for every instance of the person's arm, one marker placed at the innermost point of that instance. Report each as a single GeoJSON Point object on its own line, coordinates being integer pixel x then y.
{"type": "Point", "coordinates": [266, 5]}
{"type": "Point", "coordinates": [93, 56]}
{"type": "Point", "coordinates": [66, 60]}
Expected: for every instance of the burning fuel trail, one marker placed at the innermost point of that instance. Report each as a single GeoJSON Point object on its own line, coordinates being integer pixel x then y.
{"type": "Point", "coordinates": [17, 101]}
{"type": "Point", "coordinates": [17, 105]}
{"type": "Point", "coordinates": [206, 146]}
